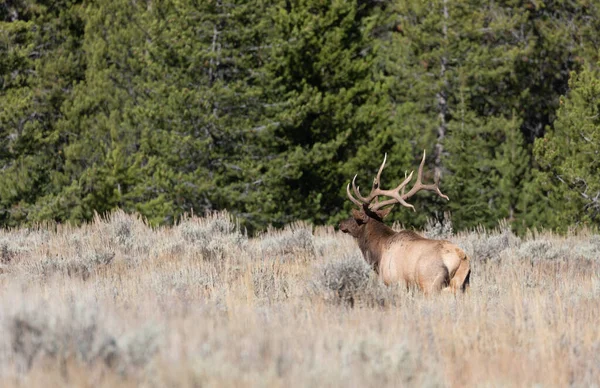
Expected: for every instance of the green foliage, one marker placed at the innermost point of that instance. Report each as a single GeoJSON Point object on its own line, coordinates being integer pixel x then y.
{"type": "Point", "coordinates": [489, 169]}
{"type": "Point", "coordinates": [329, 100]}
{"type": "Point", "coordinates": [456, 66]}
{"type": "Point", "coordinates": [568, 161]}
{"type": "Point", "coordinates": [269, 108]}
{"type": "Point", "coordinates": [40, 61]}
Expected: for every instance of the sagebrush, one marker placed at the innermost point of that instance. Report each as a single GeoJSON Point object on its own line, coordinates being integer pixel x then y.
{"type": "Point", "coordinates": [116, 302]}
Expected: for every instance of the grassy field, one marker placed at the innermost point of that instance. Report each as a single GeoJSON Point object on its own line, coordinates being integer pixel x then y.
{"type": "Point", "coordinates": [200, 304]}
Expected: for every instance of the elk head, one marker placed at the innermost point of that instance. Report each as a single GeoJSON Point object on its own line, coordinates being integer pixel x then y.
{"type": "Point", "coordinates": [371, 210]}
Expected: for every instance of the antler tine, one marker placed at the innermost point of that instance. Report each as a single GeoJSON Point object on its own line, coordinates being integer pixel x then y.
{"type": "Point", "coordinates": [420, 172]}
{"type": "Point", "coordinates": [396, 195]}
{"type": "Point", "coordinates": [376, 184]}
{"type": "Point", "coordinates": [354, 200]}
{"type": "Point", "coordinates": [403, 187]}
{"type": "Point", "coordinates": [377, 180]}
{"type": "Point", "coordinates": [436, 181]}
{"type": "Point", "coordinates": [420, 186]}
{"type": "Point", "coordinates": [375, 189]}
{"type": "Point", "coordinates": [356, 190]}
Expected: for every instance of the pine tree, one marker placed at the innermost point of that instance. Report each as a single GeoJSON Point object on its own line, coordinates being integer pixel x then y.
{"type": "Point", "coordinates": [162, 119]}
{"type": "Point", "coordinates": [453, 63]}
{"type": "Point", "coordinates": [40, 62]}
{"type": "Point", "coordinates": [567, 187]}
{"type": "Point", "coordinates": [328, 99]}
{"type": "Point", "coordinates": [268, 108]}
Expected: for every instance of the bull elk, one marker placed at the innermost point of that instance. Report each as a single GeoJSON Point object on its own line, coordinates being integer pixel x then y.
{"type": "Point", "coordinates": [404, 257]}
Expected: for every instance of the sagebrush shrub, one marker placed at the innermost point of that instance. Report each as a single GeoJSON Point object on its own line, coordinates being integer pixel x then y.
{"type": "Point", "coordinates": [350, 279]}
{"type": "Point", "coordinates": [328, 244]}
{"type": "Point", "coordinates": [436, 229]}
{"type": "Point", "coordinates": [269, 281]}
{"type": "Point", "coordinates": [537, 250]}
{"type": "Point", "coordinates": [380, 357]}
{"type": "Point", "coordinates": [20, 242]}
{"type": "Point", "coordinates": [77, 331]}
{"type": "Point", "coordinates": [6, 254]}
{"type": "Point", "coordinates": [126, 233]}
{"type": "Point", "coordinates": [292, 241]}
{"type": "Point", "coordinates": [483, 245]}
{"type": "Point", "coordinates": [81, 266]}
{"type": "Point", "coordinates": [215, 236]}
{"type": "Point", "coordinates": [587, 249]}
{"type": "Point", "coordinates": [71, 267]}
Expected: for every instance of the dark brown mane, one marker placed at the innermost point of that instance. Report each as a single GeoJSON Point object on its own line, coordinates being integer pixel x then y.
{"type": "Point", "coordinates": [377, 236]}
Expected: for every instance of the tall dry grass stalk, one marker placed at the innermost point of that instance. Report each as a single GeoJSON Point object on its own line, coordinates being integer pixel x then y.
{"type": "Point", "coordinates": [116, 303]}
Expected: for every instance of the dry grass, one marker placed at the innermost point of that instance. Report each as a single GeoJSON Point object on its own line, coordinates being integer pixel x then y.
{"type": "Point", "coordinates": [117, 303]}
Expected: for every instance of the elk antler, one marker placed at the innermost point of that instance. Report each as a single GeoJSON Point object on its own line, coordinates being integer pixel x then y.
{"type": "Point", "coordinates": [397, 195]}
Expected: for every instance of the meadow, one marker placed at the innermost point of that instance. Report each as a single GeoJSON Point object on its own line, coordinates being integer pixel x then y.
{"type": "Point", "coordinates": [117, 303]}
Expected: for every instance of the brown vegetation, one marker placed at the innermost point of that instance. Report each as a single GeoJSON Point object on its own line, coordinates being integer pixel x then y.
{"type": "Point", "coordinates": [117, 303]}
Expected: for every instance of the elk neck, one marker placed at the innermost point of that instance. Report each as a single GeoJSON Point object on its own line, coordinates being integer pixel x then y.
{"type": "Point", "coordinates": [373, 240]}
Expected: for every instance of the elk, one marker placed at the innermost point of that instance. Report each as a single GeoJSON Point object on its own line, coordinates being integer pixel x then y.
{"type": "Point", "coordinates": [404, 257]}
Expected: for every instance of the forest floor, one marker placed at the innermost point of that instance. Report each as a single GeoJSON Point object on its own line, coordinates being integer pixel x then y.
{"type": "Point", "coordinates": [117, 303]}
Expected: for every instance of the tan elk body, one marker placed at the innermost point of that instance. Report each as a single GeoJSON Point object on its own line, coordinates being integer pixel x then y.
{"type": "Point", "coordinates": [404, 257]}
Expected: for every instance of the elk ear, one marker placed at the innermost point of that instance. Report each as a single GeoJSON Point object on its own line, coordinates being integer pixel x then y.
{"type": "Point", "coordinates": [384, 212]}
{"type": "Point", "coordinates": [360, 216]}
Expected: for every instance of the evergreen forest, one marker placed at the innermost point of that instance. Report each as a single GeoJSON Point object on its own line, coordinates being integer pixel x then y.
{"type": "Point", "coordinates": [268, 108]}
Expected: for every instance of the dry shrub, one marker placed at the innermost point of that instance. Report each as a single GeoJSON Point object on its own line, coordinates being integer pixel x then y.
{"type": "Point", "coordinates": [350, 280]}
{"type": "Point", "coordinates": [486, 245]}
{"type": "Point", "coordinates": [216, 236]}
{"type": "Point", "coordinates": [128, 234]}
{"type": "Point", "coordinates": [273, 310]}
{"type": "Point", "coordinates": [77, 266]}
{"type": "Point", "coordinates": [394, 364]}
{"type": "Point", "coordinates": [6, 254]}
{"type": "Point", "coordinates": [329, 243]}
{"type": "Point", "coordinates": [269, 280]}
{"type": "Point", "coordinates": [587, 248]}
{"type": "Point", "coordinates": [547, 249]}
{"type": "Point", "coordinates": [292, 242]}
{"type": "Point", "coordinates": [15, 244]}
{"type": "Point", "coordinates": [439, 229]}
{"type": "Point", "coordinates": [536, 250]}
{"type": "Point", "coordinates": [42, 330]}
